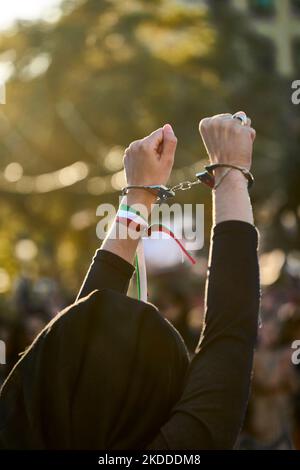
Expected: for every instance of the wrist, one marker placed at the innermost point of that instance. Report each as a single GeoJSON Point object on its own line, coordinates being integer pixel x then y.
{"type": "Point", "coordinates": [141, 197]}
{"type": "Point", "coordinates": [234, 180]}
{"type": "Point", "coordinates": [231, 199]}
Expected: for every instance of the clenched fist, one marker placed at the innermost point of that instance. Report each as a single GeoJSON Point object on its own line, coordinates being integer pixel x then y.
{"type": "Point", "coordinates": [150, 160]}
{"type": "Point", "coordinates": [227, 140]}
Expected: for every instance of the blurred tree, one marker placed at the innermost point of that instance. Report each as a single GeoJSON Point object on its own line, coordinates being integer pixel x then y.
{"type": "Point", "coordinates": [107, 73]}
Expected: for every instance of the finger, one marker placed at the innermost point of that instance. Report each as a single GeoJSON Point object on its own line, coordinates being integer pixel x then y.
{"type": "Point", "coordinates": [250, 131]}
{"type": "Point", "coordinates": [247, 123]}
{"type": "Point", "coordinates": [242, 118]}
{"type": "Point", "coordinates": [203, 124]}
{"type": "Point", "coordinates": [155, 138]}
{"type": "Point", "coordinates": [240, 113]}
{"type": "Point", "coordinates": [252, 134]}
{"type": "Point", "coordinates": [239, 122]}
{"type": "Point", "coordinates": [222, 116]}
{"type": "Point", "coordinates": [169, 142]}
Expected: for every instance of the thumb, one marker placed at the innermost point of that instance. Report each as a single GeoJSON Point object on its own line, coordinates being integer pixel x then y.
{"type": "Point", "coordinates": [155, 139]}
{"type": "Point", "coordinates": [169, 142]}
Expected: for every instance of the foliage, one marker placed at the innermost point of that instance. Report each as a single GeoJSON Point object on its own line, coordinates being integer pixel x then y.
{"type": "Point", "coordinates": [107, 73]}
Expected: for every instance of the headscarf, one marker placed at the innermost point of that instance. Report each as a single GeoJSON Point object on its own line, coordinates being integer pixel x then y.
{"type": "Point", "coordinates": [103, 374]}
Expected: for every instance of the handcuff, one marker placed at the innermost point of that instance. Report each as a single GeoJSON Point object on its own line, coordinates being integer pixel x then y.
{"type": "Point", "coordinates": [162, 192]}
{"type": "Point", "coordinates": [205, 177]}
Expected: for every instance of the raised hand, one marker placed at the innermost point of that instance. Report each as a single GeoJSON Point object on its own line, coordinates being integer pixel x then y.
{"type": "Point", "coordinates": [150, 160]}
{"type": "Point", "coordinates": [227, 140]}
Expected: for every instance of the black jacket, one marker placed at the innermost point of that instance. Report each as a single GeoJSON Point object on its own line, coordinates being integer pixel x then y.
{"type": "Point", "coordinates": [110, 373]}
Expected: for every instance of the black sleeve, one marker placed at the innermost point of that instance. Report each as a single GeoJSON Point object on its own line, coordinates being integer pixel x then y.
{"type": "Point", "coordinates": [107, 271]}
{"type": "Point", "coordinates": [210, 413]}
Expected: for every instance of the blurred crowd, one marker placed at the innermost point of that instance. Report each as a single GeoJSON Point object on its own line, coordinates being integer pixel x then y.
{"type": "Point", "coordinates": [273, 416]}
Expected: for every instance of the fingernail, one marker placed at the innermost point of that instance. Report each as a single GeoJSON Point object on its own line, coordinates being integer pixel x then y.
{"type": "Point", "coordinates": [168, 128]}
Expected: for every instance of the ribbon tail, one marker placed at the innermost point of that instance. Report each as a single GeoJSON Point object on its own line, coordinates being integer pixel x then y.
{"type": "Point", "coordinates": [141, 273]}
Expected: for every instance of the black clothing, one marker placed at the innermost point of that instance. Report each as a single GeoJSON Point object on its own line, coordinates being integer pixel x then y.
{"type": "Point", "coordinates": [211, 410]}
{"type": "Point", "coordinates": [108, 372]}
{"type": "Point", "coordinates": [107, 271]}
{"type": "Point", "coordinates": [103, 374]}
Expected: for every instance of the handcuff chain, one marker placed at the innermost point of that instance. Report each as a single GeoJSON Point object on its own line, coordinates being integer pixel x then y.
{"type": "Point", "coordinates": [184, 185]}
{"type": "Point", "coordinates": [206, 177]}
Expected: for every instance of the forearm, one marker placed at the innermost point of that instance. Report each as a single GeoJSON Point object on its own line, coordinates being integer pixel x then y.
{"type": "Point", "coordinates": [231, 200]}
{"type": "Point", "coordinates": [212, 408]}
{"type": "Point", "coordinates": [107, 271]}
{"type": "Point", "coordinates": [126, 247]}
{"type": "Point", "coordinates": [232, 305]}
{"type": "Point", "coordinates": [147, 161]}
{"type": "Point", "coordinates": [112, 267]}
{"type": "Point", "coordinates": [213, 404]}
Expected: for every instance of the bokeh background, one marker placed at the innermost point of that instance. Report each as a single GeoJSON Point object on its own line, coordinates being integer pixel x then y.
{"type": "Point", "coordinates": [86, 77]}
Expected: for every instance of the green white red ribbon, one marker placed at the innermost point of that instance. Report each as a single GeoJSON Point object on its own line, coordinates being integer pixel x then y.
{"type": "Point", "coordinates": [133, 219]}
